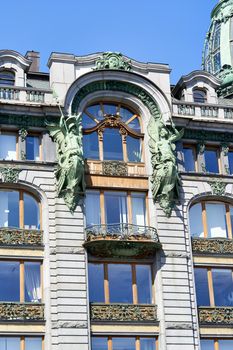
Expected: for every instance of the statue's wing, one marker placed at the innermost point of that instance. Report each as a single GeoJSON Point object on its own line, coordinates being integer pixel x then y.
{"type": "Point", "coordinates": [61, 177]}
{"type": "Point", "coordinates": [56, 132]}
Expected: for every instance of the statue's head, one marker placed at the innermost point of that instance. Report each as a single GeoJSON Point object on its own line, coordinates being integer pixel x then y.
{"type": "Point", "coordinates": [164, 133]}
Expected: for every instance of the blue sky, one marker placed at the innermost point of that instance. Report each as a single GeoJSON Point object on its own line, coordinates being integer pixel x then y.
{"type": "Point", "coordinates": [164, 31]}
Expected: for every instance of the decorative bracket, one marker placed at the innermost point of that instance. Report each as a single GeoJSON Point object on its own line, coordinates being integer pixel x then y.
{"type": "Point", "coordinates": [10, 174]}
{"type": "Point", "coordinates": [218, 187]}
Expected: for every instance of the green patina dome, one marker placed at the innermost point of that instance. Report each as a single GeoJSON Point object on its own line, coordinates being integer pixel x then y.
{"type": "Point", "coordinates": [218, 48]}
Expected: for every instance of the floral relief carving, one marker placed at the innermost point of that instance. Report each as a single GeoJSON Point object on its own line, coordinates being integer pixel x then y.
{"type": "Point", "coordinates": [14, 237]}
{"type": "Point", "coordinates": [10, 174]}
{"type": "Point", "coordinates": [216, 315]}
{"type": "Point", "coordinates": [115, 168]}
{"type": "Point", "coordinates": [212, 246]}
{"type": "Point", "coordinates": [218, 187]}
{"type": "Point", "coordinates": [21, 312]}
{"type": "Point", "coordinates": [123, 313]}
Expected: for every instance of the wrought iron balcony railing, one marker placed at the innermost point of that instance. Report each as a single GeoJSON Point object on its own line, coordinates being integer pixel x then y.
{"type": "Point", "coordinates": [118, 240]}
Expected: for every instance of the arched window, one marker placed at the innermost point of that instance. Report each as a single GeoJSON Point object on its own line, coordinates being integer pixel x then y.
{"type": "Point", "coordinates": [19, 209]}
{"type": "Point", "coordinates": [111, 132]}
{"type": "Point", "coordinates": [199, 96]}
{"type": "Point", "coordinates": [7, 77]}
{"type": "Point", "coordinates": [211, 220]}
{"type": "Point", "coordinates": [216, 48]}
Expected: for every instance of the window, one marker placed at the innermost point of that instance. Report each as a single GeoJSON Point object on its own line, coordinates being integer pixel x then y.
{"type": "Point", "coordinates": [7, 77]}
{"type": "Point", "coordinates": [19, 209]}
{"type": "Point", "coordinates": [124, 343]}
{"type": "Point", "coordinates": [230, 161]}
{"type": "Point", "coordinates": [21, 343]}
{"type": "Point", "coordinates": [219, 344]}
{"type": "Point", "coordinates": [9, 147]}
{"type": "Point", "coordinates": [214, 286]}
{"type": "Point", "coordinates": [20, 281]}
{"type": "Point", "coordinates": [199, 96]}
{"type": "Point", "coordinates": [111, 132]}
{"type": "Point", "coordinates": [216, 48]}
{"type": "Point", "coordinates": [120, 283]}
{"type": "Point", "coordinates": [113, 207]}
{"type": "Point", "coordinates": [211, 160]}
{"type": "Point", "coordinates": [211, 220]}
{"type": "Point", "coordinates": [189, 153]}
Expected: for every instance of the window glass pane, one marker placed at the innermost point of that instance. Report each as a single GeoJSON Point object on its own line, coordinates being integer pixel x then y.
{"type": "Point", "coordinates": [189, 162]}
{"type": "Point", "coordinates": [207, 344]}
{"type": "Point", "coordinates": [134, 124]}
{"type": "Point", "coordinates": [32, 148]}
{"type": "Point", "coordinates": [230, 160]}
{"type": "Point", "coordinates": [91, 146]}
{"type": "Point", "coordinates": [9, 281]}
{"type": "Point", "coordinates": [33, 343]}
{"type": "Point", "coordinates": [216, 220]}
{"type": "Point", "coordinates": [216, 41]}
{"type": "Point", "coordinates": [8, 147]}
{"type": "Point", "coordinates": [211, 161]}
{"type": "Point", "coordinates": [133, 149]}
{"type": "Point", "coordinates": [225, 344]}
{"type": "Point", "coordinates": [11, 343]}
{"type": "Point", "coordinates": [217, 62]}
{"type": "Point", "coordinates": [115, 207]}
{"type": "Point", "coordinates": [9, 209]}
{"type": "Point", "coordinates": [31, 213]}
{"type": "Point", "coordinates": [202, 289]}
{"type": "Point", "coordinates": [223, 287]}
{"type": "Point", "coordinates": [99, 343]}
{"type": "Point", "coordinates": [138, 209]}
{"type": "Point", "coordinates": [96, 282]}
{"type": "Point", "coordinates": [120, 283]}
{"type": "Point", "coordinates": [147, 344]}
{"type": "Point", "coordinates": [87, 122]}
{"type": "Point", "coordinates": [95, 111]}
{"type": "Point", "coordinates": [123, 343]}
{"type": "Point", "coordinates": [32, 285]}
{"type": "Point", "coordinates": [125, 114]}
{"type": "Point", "coordinates": [144, 284]}
{"type": "Point", "coordinates": [195, 220]}
{"type": "Point", "coordinates": [199, 96]}
{"type": "Point", "coordinates": [92, 207]}
{"type": "Point", "coordinates": [110, 109]}
{"type": "Point", "coordinates": [112, 144]}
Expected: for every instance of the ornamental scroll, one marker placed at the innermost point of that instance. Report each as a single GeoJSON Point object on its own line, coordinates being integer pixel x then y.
{"type": "Point", "coordinates": [70, 169]}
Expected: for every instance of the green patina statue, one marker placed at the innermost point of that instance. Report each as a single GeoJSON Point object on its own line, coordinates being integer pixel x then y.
{"type": "Point", "coordinates": [165, 178]}
{"type": "Point", "coordinates": [70, 169]}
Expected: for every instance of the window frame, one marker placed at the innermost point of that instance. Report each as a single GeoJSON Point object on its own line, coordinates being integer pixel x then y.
{"type": "Point", "coordinates": [204, 217]}
{"type": "Point", "coordinates": [194, 151]}
{"type": "Point", "coordinates": [137, 340]}
{"type": "Point", "coordinates": [218, 154]}
{"type": "Point", "coordinates": [134, 281]}
{"type": "Point", "coordinates": [21, 206]}
{"type": "Point", "coordinates": [22, 278]}
{"type": "Point", "coordinates": [100, 131]}
{"type": "Point", "coordinates": [216, 341]}
{"type": "Point", "coordinates": [34, 134]}
{"type": "Point", "coordinates": [23, 338]}
{"type": "Point", "coordinates": [2, 71]}
{"type": "Point", "coordinates": [199, 90]}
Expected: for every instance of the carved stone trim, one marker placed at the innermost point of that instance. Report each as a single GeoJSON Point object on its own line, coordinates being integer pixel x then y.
{"type": "Point", "coordinates": [21, 312]}
{"type": "Point", "coordinates": [216, 315]}
{"type": "Point", "coordinates": [20, 237]}
{"type": "Point", "coordinates": [10, 174]}
{"type": "Point", "coordinates": [115, 168]}
{"type": "Point", "coordinates": [23, 134]}
{"type": "Point", "coordinates": [208, 135]}
{"type": "Point", "coordinates": [26, 120]}
{"type": "Point", "coordinates": [112, 60]}
{"type": "Point", "coordinates": [218, 187]}
{"type": "Point", "coordinates": [123, 313]}
{"type": "Point", "coordinates": [212, 246]}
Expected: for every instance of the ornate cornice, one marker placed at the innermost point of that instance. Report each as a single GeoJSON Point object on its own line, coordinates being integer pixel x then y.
{"type": "Point", "coordinates": [216, 316]}
{"type": "Point", "coordinates": [123, 313]}
{"type": "Point", "coordinates": [208, 135]}
{"type": "Point", "coordinates": [24, 121]}
{"type": "Point", "coordinates": [20, 237]}
{"type": "Point", "coordinates": [21, 312]}
{"type": "Point", "coordinates": [212, 245]}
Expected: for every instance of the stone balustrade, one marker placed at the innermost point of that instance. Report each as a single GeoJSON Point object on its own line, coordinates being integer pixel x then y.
{"type": "Point", "coordinates": [26, 94]}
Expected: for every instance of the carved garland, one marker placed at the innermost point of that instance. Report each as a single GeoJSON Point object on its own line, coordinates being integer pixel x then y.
{"type": "Point", "coordinates": [21, 312]}
{"type": "Point", "coordinates": [216, 315]}
{"type": "Point", "coordinates": [212, 246]}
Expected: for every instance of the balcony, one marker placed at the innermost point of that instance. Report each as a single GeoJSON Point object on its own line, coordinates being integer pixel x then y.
{"type": "Point", "coordinates": [29, 312]}
{"type": "Point", "coordinates": [121, 240]}
{"type": "Point", "coordinates": [203, 111]}
{"type": "Point", "coordinates": [115, 168]}
{"type": "Point", "coordinates": [210, 246]}
{"type": "Point", "coordinates": [123, 313]}
{"type": "Point", "coordinates": [216, 316]}
{"type": "Point", "coordinates": [25, 94]}
{"type": "Point", "coordinates": [20, 237]}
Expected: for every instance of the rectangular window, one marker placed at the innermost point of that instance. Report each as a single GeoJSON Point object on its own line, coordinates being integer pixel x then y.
{"type": "Point", "coordinates": [189, 158]}
{"type": "Point", "coordinates": [112, 144]}
{"type": "Point", "coordinates": [211, 161]}
{"type": "Point", "coordinates": [230, 161]}
{"type": "Point", "coordinates": [32, 148]}
{"type": "Point", "coordinates": [115, 208]}
{"type": "Point", "coordinates": [216, 344]}
{"type": "Point", "coordinates": [124, 343]}
{"type": "Point", "coordinates": [134, 149]}
{"type": "Point", "coordinates": [9, 209]}
{"type": "Point", "coordinates": [91, 146]}
{"type": "Point", "coordinates": [214, 287]}
{"type": "Point", "coordinates": [23, 343]}
{"type": "Point", "coordinates": [120, 283]}
{"type": "Point", "coordinates": [20, 281]}
{"type": "Point", "coordinates": [8, 150]}
{"type": "Point", "coordinates": [216, 220]}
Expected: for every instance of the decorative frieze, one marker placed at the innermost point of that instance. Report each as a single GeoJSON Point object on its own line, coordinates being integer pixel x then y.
{"type": "Point", "coordinates": [112, 60]}
{"type": "Point", "coordinates": [123, 313]}
{"type": "Point", "coordinates": [21, 312]}
{"type": "Point", "coordinates": [216, 315]}
{"type": "Point", "coordinates": [218, 187]}
{"type": "Point", "coordinates": [212, 246]}
{"type": "Point", "coordinates": [18, 237]}
{"type": "Point", "coordinates": [10, 174]}
{"type": "Point", "coordinates": [115, 168]}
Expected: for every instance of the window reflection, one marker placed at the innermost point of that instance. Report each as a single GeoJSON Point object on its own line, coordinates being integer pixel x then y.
{"type": "Point", "coordinates": [133, 149]}
{"type": "Point", "coordinates": [112, 145]}
{"type": "Point", "coordinates": [207, 344]}
{"type": "Point", "coordinates": [195, 220]}
{"type": "Point", "coordinates": [96, 282]}
{"type": "Point", "coordinates": [99, 343]}
{"type": "Point", "coordinates": [120, 283]}
{"type": "Point", "coordinates": [116, 207]}
{"type": "Point", "coordinates": [9, 343]}
{"type": "Point", "coordinates": [144, 284]}
{"type": "Point", "coordinates": [31, 213]}
{"type": "Point", "coordinates": [202, 288]}
{"type": "Point", "coordinates": [32, 148]}
{"type": "Point", "coordinates": [189, 161]}
{"type": "Point", "coordinates": [211, 161]}
{"type": "Point", "coordinates": [33, 343]}
{"type": "Point", "coordinates": [8, 147]}
{"type": "Point", "coordinates": [9, 281]}
{"type": "Point", "coordinates": [91, 146]}
{"type": "Point", "coordinates": [147, 344]}
{"type": "Point", "coordinates": [32, 282]}
{"type": "Point", "coordinates": [223, 287]}
{"type": "Point", "coordinates": [216, 220]}
{"type": "Point", "coordinates": [123, 344]}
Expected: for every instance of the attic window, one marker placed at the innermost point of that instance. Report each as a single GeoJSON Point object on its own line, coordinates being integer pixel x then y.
{"type": "Point", "coordinates": [7, 78]}
{"type": "Point", "coordinates": [199, 96]}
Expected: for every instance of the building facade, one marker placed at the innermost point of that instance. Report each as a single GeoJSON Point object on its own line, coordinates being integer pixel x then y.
{"type": "Point", "coordinates": [116, 201]}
